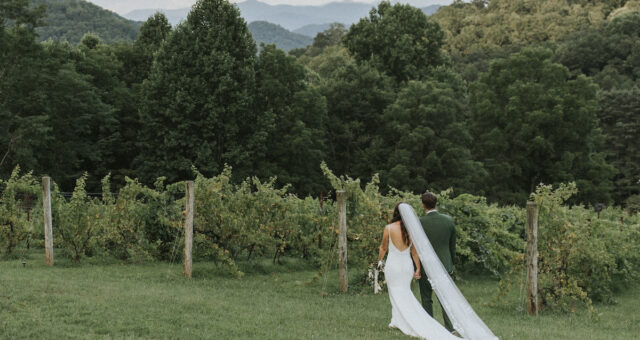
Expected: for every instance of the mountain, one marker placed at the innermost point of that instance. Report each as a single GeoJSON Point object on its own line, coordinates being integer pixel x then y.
{"type": "Point", "coordinates": [70, 19]}
{"type": "Point", "coordinates": [312, 30]}
{"type": "Point", "coordinates": [289, 16]}
{"type": "Point", "coordinates": [268, 33]}
{"type": "Point", "coordinates": [431, 9]}
{"type": "Point", "coordinates": [175, 16]}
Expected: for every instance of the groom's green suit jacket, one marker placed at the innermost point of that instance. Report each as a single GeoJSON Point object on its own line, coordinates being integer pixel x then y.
{"type": "Point", "coordinates": [442, 234]}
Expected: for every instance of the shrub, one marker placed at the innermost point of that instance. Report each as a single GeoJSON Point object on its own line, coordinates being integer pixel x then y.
{"type": "Point", "coordinates": [15, 224]}
{"type": "Point", "coordinates": [76, 222]}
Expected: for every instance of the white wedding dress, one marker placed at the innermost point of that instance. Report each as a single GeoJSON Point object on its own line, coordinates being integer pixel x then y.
{"type": "Point", "coordinates": [407, 313]}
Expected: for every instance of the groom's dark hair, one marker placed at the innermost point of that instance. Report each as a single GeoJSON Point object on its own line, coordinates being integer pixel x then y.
{"type": "Point", "coordinates": [429, 200]}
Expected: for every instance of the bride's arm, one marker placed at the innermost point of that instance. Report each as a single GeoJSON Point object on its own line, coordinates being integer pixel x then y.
{"type": "Point", "coordinates": [384, 245]}
{"type": "Point", "coordinates": [416, 260]}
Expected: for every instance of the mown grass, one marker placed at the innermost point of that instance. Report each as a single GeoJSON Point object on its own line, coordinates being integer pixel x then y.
{"type": "Point", "coordinates": [111, 300]}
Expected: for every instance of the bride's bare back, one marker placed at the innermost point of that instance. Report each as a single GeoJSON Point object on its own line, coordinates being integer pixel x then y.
{"type": "Point", "coordinates": [395, 233]}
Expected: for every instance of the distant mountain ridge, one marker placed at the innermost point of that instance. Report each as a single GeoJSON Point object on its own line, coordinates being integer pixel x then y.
{"type": "Point", "coordinates": [289, 16]}
{"type": "Point", "coordinates": [268, 33]}
{"type": "Point", "coordinates": [312, 30]}
{"type": "Point", "coordinates": [70, 20]}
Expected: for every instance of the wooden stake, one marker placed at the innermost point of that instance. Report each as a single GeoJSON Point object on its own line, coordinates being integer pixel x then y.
{"type": "Point", "coordinates": [48, 223]}
{"type": "Point", "coordinates": [188, 229]}
{"type": "Point", "coordinates": [532, 258]}
{"type": "Point", "coordinates": [342, 239]}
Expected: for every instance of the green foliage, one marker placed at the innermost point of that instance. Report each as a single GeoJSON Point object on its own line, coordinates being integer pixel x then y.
{"type": "Point", "coordinates": [619, 116]}
{"type": "Point", "coordinates": [476, 25]}
{"type": "Point", "coordinates": [19, 14]}
{"type": "Point", "coordinates": [582, 258]}
{"type": "Point", "coordinates": [77, 221]}
{"type": "Point", "coordinates": [356, 98]}
{"type": "Point", "coordinates": [332, 36]}
{"type": "Point", "coordinates": [56, 119]}
{"type": "Point", "coordinates": [20, 70]}
{"type": "Point", "coordinates": [70, 20]}
{"type": "Point", "coordinates": [16, 226]}
{"type": "Point", "coordinates": [488, 238]}
{"type": "Point", "coordinates": [271, 222]}
{"type": "Point", "coordinates": [197, 104]}
{"type": "Point", "coordinates": [291, 124]}
{"type": "Point", "coordinates": [610, 53]}
{"type": "Point", "coordinates": [398, 40]}
{"type": "Point", "coordinates": [425, 140]}
{"type": "Point", "coordinates": [632, 204]}
{"type": "Point", "coordinates": [124, 222]}
{"type": "Point", "coordinates": [532, 123]}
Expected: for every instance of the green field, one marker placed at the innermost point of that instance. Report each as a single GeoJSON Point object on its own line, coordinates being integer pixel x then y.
{"type": "Point", "coordinates": [112, 300]}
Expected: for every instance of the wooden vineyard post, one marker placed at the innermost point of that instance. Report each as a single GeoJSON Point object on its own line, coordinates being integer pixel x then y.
{"type": "Point", "coordinates": [342, 239]}
{"type": "Point", "coordinates": [188, 229]}
{"type": "Point", "coordinates": [532, 258]}
{"type": "Point", "coordinates": [48, 227]}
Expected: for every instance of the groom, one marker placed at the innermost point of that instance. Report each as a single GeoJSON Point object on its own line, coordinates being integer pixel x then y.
{"type": "Point", "coordinates": [442, 236]}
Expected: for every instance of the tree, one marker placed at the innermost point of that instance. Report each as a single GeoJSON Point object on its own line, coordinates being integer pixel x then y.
{"type": "Point", "coordinates": [19, 14]}
{"type": "Point", "coordinates": [20, 65]}
{"type": "Point", "coordinates": [54, 119]}
{"type": "Point", "coordinates": [356, 98]}
{"type": "Point", "coordinates": [137, 59]}
{"type": "Point", "coordinates": [292, 118]}
{"type": "Point", "coordinates": [82, 124]}
{"type": "Point", "coordinates": [426, 141]}
{"type": "Point", "coordinates": [611, 53]}
{"type": "Point", "coordinates": [330, 37]}
{"type": "Point", "coordinates": [197, 104]}
{"type": "Point", "coordinates": [470, 25]}
{"type": "Point", "coordinates": [102, 65]}
{"type": "Point", "coordinates": [619, 114]}
{"type": "Point", "coordinates": [399, 40]}
{"type": "Point", "coordinates": [532, 123]}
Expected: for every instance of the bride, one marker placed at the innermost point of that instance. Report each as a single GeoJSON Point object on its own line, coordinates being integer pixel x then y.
{"type": "Point", "coordinates": [407, 313]}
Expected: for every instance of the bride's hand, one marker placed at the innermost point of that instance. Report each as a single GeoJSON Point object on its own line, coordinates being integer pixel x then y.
{"type": "Point", "coordinates": [417, 274]}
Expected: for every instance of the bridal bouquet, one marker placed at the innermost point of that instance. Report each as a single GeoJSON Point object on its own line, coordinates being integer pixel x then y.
{"type": "Point", "coordinates": [376, 278]}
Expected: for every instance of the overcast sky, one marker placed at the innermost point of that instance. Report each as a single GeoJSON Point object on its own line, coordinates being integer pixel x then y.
{"type": "Point", "coordinates": [125, 6]}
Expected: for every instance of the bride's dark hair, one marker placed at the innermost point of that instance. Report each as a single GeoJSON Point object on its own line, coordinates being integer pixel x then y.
{"type": "Point", "coordinates": [396, 218]}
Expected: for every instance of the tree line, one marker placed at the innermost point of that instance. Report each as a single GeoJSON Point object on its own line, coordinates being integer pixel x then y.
{"type": "Point", "coordinates": [416, 99]}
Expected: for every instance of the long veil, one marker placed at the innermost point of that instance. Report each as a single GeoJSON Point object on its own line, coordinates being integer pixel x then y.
{"type": "Point", "coordinates": [462, 316]}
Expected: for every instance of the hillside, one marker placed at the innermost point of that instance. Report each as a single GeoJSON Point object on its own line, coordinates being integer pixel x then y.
{"type": "Point", "coordinates": [430, 9]}
{"type": "Point", "coordinates": [473, 27]}
{"type": "Point", "coordinates": [268, 33]}
{"type": "Point", "coordinates": [70, 19]}
{"type": "Point", "coordinates": [312, 30]}
{"type": "Point", "coordinates": [288, 16]}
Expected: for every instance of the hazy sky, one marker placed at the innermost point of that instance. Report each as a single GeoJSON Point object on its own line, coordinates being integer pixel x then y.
{"type": "Point", "coordinates": [125, 6]}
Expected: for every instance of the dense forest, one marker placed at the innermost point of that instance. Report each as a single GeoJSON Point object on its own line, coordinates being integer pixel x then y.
{"type": "Point", "coordinates": [70, 19]}
{"type": "Point", "coordinates": [485, 97]}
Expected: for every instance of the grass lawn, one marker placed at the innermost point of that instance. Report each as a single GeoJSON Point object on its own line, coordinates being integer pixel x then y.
{"type": "Point", "coordinates": [271, 302]}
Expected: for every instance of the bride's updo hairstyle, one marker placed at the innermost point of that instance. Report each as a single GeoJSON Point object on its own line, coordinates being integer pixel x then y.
{"type": "Point", "coordinates": [396, 218]}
